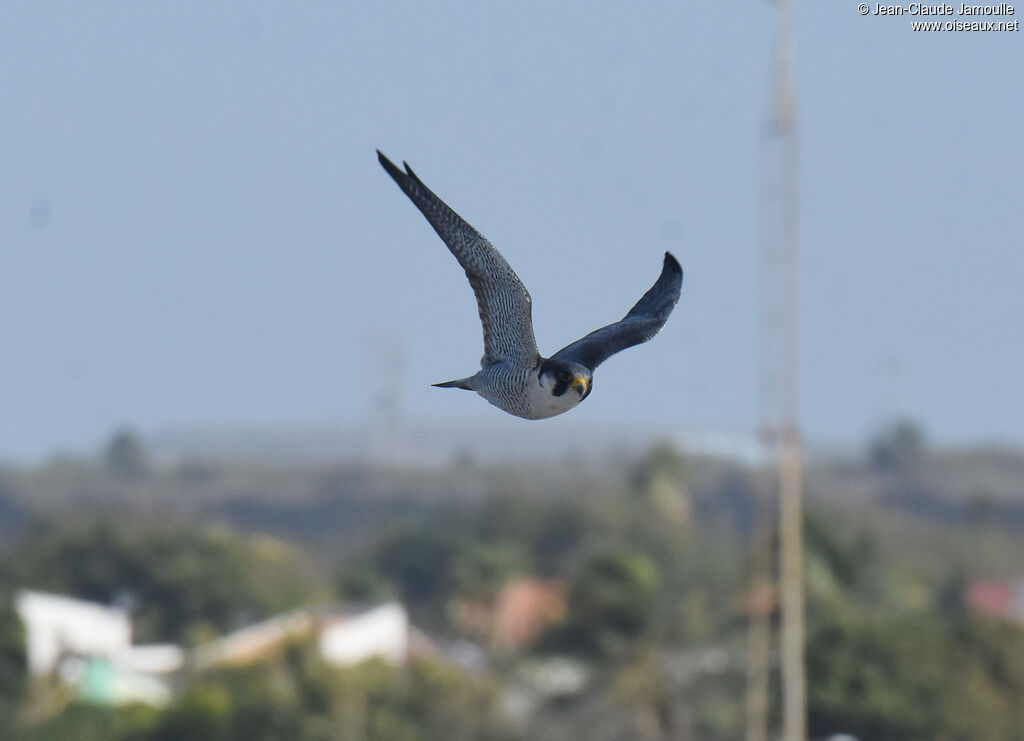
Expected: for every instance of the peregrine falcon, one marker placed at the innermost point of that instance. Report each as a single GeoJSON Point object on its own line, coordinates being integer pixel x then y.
{"type": "Point", "coordinates": [514, 376]}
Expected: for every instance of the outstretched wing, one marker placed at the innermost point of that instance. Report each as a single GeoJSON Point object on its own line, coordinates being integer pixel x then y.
{"type": "Point", "coordinates": [641, 323]}
{"type": "Point", "coordinates": [502, 299]}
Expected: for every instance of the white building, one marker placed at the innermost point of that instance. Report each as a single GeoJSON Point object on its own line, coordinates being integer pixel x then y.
{"type": "Point", "coordinates": [343, 638]}
{"type": "Point", "coordinates": [255, 641]}
{"type": "Point", "coordinates": [57, 626]}
{"type": "Point", "coordinates": [379, 632]}
{"type": "Point", "coordinates": [89, 646]}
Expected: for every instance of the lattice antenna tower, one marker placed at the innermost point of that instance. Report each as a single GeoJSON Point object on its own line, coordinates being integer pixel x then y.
{"type": "Point", "coordinates": [779, 402]}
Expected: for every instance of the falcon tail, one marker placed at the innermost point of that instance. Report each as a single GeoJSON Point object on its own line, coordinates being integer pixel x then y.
{"type": "Point", "coordinates": [461, 383]}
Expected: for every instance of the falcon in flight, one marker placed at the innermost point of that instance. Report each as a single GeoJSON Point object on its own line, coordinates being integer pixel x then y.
{"type": "Point", "coordinates": [514, 376]}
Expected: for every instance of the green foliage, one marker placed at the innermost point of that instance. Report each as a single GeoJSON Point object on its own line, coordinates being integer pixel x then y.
{"type": "Point", "coordinates": [548, 533]}
{"type": "Point", "coordinates": [653, 556]}
{"type": "Point", "coordinates": [483, 568]}
{"type": "Point", "coordinates": [444, 703]}
{"type": "Point", "coordinates": [881, 671]}
{"type": "Point", "coordinates": [877, 681]}
{"type": "Point", "coordinates": [982, 699]}
{"type": "Point", "coordinates": [298, 698]}
{"type": "Point", "coordinates": [12, 658]}
{"type": "Point", "coordinates": [175, 579]}
{"type": "Point", "coordinates": [204, 712]}
{"type": "Point", "coordinates": [420, 561]}
{"type": "Point", "coordinates": [90, 723]}
{"type": "Point", "coordinates": [917, 678]}
{"type": "Point", "coordinates": [612, 599]}
{"type": "Point", "coordinates": [455, 554]}
{"type": "Point", "coordinates": [359, 582]}
{"type": "Point", "coordinates": [662, 462]}
{"type": "Point", "coordinates": [842, 568]}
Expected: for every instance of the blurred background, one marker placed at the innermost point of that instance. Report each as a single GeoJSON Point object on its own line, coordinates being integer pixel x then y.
{"type": "Point", "coordinates": [231, 506]}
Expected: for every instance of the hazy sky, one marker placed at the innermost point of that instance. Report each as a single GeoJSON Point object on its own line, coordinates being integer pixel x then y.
{"type": "Point", "coordinates": [194, 229]}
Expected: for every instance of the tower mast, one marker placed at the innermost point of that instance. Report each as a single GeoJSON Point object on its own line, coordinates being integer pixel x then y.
{"type": "Point", "coordinates": [780, 406]}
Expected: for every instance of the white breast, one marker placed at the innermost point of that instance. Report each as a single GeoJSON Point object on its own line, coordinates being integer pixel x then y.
{"type": "Point", "coordinates": [519, 391]}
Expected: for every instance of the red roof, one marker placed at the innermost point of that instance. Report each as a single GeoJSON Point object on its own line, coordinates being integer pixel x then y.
{"type": "Point", "coordinates": [524, 608]}
{"type": "Point", "coordinates": [991, 597]}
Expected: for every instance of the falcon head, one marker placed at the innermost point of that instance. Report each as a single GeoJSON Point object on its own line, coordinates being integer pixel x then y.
{"type": "Point", "coordinates": [559, 377]}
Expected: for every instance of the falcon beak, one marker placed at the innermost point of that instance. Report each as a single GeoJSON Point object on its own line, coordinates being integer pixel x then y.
{"type": "Point", "coordinates": [580, 384]}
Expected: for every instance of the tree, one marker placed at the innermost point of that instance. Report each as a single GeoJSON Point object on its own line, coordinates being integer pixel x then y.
{"type": "Point", "coordinates": [296, 697]}
{"type": "Point", "coordinates": [923, 677]}
{"type": "Point", "coordinates": [660, 481]}
{"type": "Point", "coordinates": [12, 658]}
{"type": "Point", "coordinates": [482, 569]}
{"type": "Point", "coordinates": [898, 448]}
{"type": "Point", "coordinates": [420, 561]}
{"type": "Point", "coordinates": [175, 579]}
{"type": "Point", "coordinates": [125, 455]}
{"type": "Point", "coordinates": [612, 600]}
{"type": "Point", "coordinates": [882, 681]}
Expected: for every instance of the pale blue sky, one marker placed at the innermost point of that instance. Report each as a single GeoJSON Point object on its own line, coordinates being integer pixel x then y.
{"type": "Point", "coordinates": [194, 229]}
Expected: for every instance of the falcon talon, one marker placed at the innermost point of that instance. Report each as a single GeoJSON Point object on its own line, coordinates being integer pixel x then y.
{"type": "Point", "coordinates": [514, 376]}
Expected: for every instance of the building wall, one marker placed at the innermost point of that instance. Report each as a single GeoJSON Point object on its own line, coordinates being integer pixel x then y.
{"type": "Point", "coordinates": [381, 632]}
{"type": "Point", "coordinates": [55, 626]}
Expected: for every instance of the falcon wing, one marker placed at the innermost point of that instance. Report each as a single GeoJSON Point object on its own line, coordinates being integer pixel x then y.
{"type": "Point", "coordinates": [641, 323]}
{"type": "Point", "coordinates": [502, 299]}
